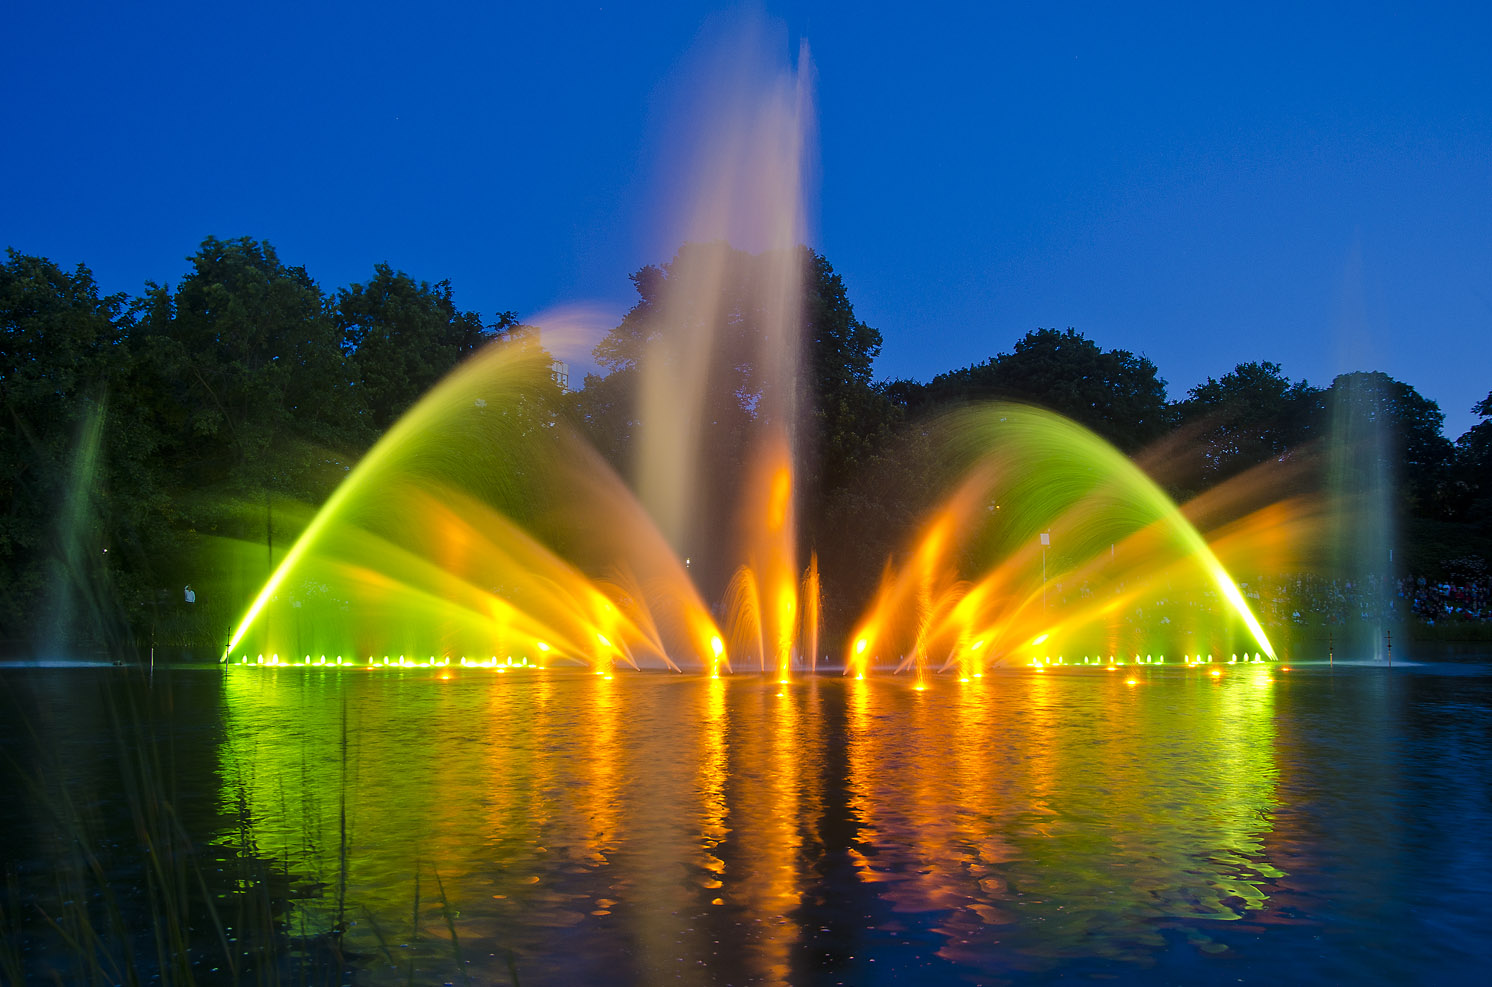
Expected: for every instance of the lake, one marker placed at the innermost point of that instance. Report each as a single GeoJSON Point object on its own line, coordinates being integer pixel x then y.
{"type": "Point", "coordinates": [453, 825]}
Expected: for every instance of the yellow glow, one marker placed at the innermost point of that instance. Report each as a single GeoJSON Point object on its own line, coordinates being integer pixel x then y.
{"type": "Point", "coordinates": [781, 498]}
{"type": "Point", "coordinates": [1039, 638]}
{"type": "Point", "coordinates": [860, 646]}
{"type": "Point", "coordinates": [541, 646]}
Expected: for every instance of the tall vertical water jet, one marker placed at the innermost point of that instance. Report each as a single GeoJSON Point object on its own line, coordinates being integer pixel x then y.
{"type": "Point", "coordinates": [719, 373]}
{"type": "Point", "coordinates": [79, 614]}
{"type": "Point", "coordinates": [1362, 481]}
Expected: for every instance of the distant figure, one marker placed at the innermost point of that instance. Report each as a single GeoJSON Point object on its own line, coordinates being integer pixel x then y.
{"type": "Point", "coordinates": [191, 597]}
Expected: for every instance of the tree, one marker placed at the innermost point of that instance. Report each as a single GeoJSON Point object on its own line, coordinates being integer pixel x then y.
{"type": "Point", "coordinates": [849, 417]}
{"type": "Point", "coordinates": [255, 407]}
{"type": "Point", "coordinates": [260, 392]}
{"type": "Point", "coordinates": [704, 321]}
{"type": "Point", "coordinates": [1472, 475]}
{"type": "Point", "coordinates": [1381, 427]}
{"type": "Point", "coordinates": [62, 352]}
{"type": "Point", "coordinates": [1114, 392]}
{"type": "Point", "coordinates": [837, 401]}
{"type": "Point", "coordinates": [1248, 416]}
{"type": "Point", "coordinates": [401, 336]}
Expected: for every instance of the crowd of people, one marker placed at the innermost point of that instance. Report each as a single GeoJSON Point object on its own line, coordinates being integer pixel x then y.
{"type": "Point", "coordinates": [1308, 600]}
{"type": "Point", "coordinates": [1317, 600]}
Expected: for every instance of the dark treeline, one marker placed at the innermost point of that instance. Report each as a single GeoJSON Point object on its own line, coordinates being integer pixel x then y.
{"type": "Point", "coordinates": [138, 427]}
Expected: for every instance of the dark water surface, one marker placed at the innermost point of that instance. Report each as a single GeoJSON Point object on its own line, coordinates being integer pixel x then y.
{"type": "Point", "coordinates": [1320, 825]}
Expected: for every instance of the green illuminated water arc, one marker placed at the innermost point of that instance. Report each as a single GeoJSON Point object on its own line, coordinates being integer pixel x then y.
{"type": "Point", "coordinates": [1058, 462]}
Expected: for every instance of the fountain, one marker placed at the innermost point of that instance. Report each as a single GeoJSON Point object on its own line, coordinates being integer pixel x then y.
{"type": "Point", "coordinates": [1037, 483]}
{"type": "Point", "coordinates": [482, 531]}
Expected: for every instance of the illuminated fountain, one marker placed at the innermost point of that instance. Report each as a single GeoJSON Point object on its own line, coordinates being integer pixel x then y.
{"type": "Point", "coordinates": [481, 531]}
{"type": "Point", "coordinates": [1039, 486]}
{"type": "Point", "coordinates": [1046, 551]}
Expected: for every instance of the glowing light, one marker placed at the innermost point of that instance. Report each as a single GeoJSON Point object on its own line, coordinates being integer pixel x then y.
{"type": "Point", "coordinates": [929, 609]}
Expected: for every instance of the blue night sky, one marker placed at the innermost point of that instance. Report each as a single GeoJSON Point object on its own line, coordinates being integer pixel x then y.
{"type": "Point", "coordinates": [1204, 184]}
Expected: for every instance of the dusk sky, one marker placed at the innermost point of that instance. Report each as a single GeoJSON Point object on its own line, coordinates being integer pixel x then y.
{"type": "Point", "coordinates": [1203, 184]}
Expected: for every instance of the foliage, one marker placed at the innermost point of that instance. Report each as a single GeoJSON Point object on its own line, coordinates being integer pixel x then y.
{"type": "Point", "coordinates": [401, 336]}
{"type": "Point", "coordinates": [63, 350]}
{"type": "Point", "coordinates": [1384, 427]}
{"type": "Point", "coordinates": [1248, 416]}
{"type": "Point", "coordinates": [137, 431]}
{"type": "Point", "coordinates": [1113, 392]}
{"type": "Point", "coordinates": [1470, 493]}
{"type": "Point", "coordinates": [844, 417]}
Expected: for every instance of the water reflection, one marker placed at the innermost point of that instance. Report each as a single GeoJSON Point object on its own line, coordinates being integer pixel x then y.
{"type": "Point", "coordinates": [656, 826]}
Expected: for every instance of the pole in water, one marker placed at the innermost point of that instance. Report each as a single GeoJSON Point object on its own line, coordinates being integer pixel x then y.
{"type": "Point", "coordinates": [1331, 651]}
{"type": "Point", "coordinates": [1388, 636]}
